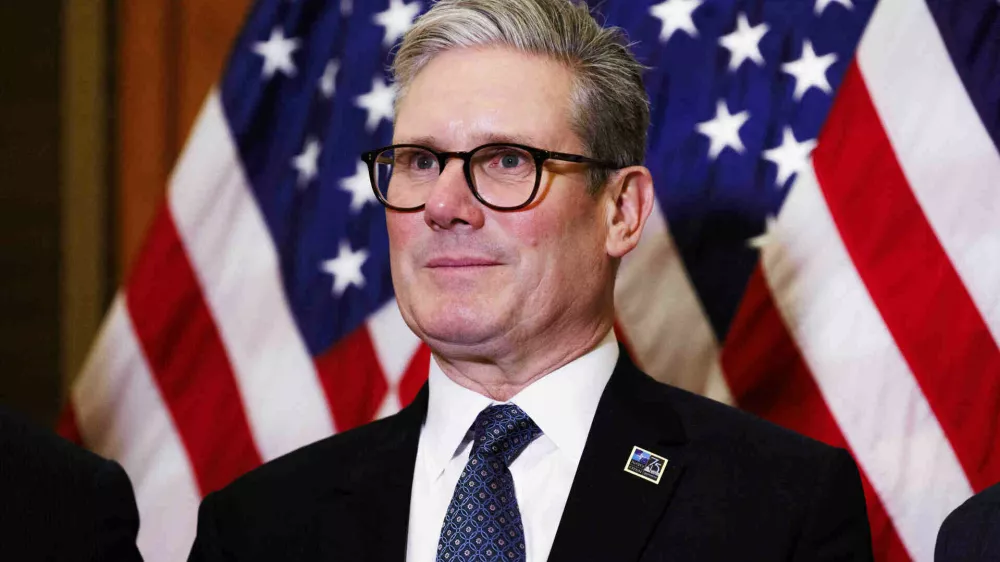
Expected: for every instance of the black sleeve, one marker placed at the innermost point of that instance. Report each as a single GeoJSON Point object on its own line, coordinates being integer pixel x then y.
{"type": "Point", "coordinates": [117, 519]}
{"type": "Point", "coordinates": [836, 524]}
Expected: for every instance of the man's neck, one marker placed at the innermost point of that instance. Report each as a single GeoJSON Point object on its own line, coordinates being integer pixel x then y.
{"type": "Point", "coordinates": [502, 378]}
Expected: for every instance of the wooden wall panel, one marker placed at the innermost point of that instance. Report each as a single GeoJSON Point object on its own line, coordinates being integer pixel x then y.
{"type": "Point", "coordinates": [209, 28]}
{"type": "Point", "coordinates": [146, 143]}
{"type": "Point", "coordinates": [171, 52]}
{"type": "Point", "coordinates": [85, 194]}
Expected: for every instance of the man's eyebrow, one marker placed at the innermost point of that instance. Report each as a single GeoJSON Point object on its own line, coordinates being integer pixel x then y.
{"type": "Point", "coordinates": [505, 138]}
{"type": "Point", "coordinates": [480, 139]}
{"type": "Point", "coordinates": [430, 142]}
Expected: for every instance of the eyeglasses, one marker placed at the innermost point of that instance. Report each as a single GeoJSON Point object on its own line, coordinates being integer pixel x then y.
{"type": "Point", "coordinates": [502, 176]}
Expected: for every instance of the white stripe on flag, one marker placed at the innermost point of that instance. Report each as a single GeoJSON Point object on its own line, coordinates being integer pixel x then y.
{"type": "Point", "coordinates": [121, 415]}
{"type": "Point", "coordinates": [662, 317]}
{"type": "Point", "coordinates": [940, 141]}
{"type": "Point", "coordinates": [868, 386]}
{"type": "Point", "coordinates": [236, 263]}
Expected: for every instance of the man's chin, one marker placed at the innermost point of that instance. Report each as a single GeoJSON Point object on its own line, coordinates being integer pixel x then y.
{"type": "Point", "coordinates": [451, 331]}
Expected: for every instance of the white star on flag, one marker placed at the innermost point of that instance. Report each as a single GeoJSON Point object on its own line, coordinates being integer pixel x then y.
{"type": "Point", "coordinates": [307, 163]}
{"type": "Point", "coordinates": [791, 157]}
{"type": "Point", "coordinates": [744, 42]}
{"type": "Point", "coordinates": [809, 71]}
{"type": "Point", "coordinates": [765, 238]}
{"type": "Point", "coordinates": [277, 52]}
{"type": "Point", "coordinates": [723, 130]}
{"type": "Point", "coordinates": [360, 187]}
{"type": "Point", "coordinates": [397, 20]}
{"type": "Point", "coordinates": [346, 7]}
{"type": "Point", "coordinates": [676, 15]}
{"type": "Point", "coordinates": [328, 82]}
{"type": "Point", "coordinates": [822, 4]}
{"type": "Point", "coordinates": [346, 268]}
{"type": "Point", "coordinates": [378, 103]}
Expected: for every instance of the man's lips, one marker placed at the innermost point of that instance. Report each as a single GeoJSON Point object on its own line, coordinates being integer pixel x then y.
{"type": "Point", "coordinates": [460, 261]}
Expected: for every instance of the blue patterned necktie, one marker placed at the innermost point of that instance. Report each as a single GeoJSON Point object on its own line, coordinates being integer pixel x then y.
{"type": "Point", "coordinates": [483, 522]}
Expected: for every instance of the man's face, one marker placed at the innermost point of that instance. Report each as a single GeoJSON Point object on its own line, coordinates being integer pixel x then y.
{"type": "Point", "coordinates": [478, 282]}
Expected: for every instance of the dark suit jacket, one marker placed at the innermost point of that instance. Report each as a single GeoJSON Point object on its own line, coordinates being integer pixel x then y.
{"type": "Point", "coordinates": [735, 488]}
{"type": "Point", "coordinates": [60, 503]}
{"type": "Point", "coordinates": [972, 532]}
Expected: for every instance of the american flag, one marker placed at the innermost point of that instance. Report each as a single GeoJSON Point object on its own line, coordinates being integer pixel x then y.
{"type": "Point", "coordinates": [825, 251]}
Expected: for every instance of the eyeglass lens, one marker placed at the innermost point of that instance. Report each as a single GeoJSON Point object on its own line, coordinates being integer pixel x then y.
{"type": "Point", "coordinates": [503, 176]}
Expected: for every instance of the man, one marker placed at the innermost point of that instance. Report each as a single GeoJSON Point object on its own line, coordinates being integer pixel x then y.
{"type": "Point", "coordinates": [972, 532]}
{"type": "Point", "coordinates": [60, 503]}
{"type": "Point", "coordinates": [513, 189]}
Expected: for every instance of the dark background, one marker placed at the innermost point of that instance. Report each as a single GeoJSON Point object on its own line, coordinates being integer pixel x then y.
{"type": "Point", "coordinates": [30, 380]}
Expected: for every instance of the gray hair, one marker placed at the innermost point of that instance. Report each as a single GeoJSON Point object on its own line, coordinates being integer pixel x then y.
{"type": "Point", "coordinates": [609, 108]}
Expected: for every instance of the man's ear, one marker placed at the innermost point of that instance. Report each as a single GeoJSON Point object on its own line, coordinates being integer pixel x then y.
{"type": "Point", "coordinates": [631, 201]}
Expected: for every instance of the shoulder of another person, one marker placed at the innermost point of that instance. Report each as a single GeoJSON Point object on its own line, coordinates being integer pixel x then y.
{"type": "Point", "coordinates": [36, 454]}
{"type": "Point", "coordinates": [51, 487]}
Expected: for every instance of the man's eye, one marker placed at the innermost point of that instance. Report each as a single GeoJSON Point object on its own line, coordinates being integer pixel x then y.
{"type": "Point", "coordinates": [424, 162]}
{"type": "Point", "coordinates": [510, 160]}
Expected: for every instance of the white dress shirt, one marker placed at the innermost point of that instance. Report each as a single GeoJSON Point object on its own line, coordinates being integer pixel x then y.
{"type": "Point", "coordinates": [562, 404]}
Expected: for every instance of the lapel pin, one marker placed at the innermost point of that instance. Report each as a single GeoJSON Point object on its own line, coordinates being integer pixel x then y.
{"type": "Point", "coordinates": [645, 465]}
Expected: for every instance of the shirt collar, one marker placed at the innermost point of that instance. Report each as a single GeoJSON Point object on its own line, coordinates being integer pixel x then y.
{"type": "Point", "coordinates": [562, 403]}
{"type": "Point", "coordinates": [451, 409]}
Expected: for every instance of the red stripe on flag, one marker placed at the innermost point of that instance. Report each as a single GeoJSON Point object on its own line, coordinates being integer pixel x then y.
{"type": "Point", "coordinates": [917, 290]}
{"type": "Point", "coordinates": [352, 379]}
{"type": "Point", "coordinates": [188, 359]}
{"type": "Point", "coordinates": [66, 425]}
{"type": "Point", "coordinates": [768, 377]}
{"type": "Point", "coordinates": [415, 376]}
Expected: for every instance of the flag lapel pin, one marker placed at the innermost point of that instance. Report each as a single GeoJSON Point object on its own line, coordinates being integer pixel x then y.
{"type": "Point", "coordinates": [645, 465]}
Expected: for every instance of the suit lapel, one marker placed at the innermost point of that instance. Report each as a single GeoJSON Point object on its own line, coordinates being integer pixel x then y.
{"type": "Point", "coordinates": [610, 514]}
{"type": "Point", "coordinates": [380, 484]}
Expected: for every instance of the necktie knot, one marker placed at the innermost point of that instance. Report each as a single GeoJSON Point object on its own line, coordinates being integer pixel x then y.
{"type": "Point", "coordinates": [503, 431]}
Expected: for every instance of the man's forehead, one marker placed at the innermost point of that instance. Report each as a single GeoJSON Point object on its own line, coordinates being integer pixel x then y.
{"type": "Point", "coordinates": [488, 78]}
{"type": "Point", "coordinates": [468, 98]}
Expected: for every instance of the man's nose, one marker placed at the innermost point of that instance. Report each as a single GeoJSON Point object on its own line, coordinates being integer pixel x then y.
{"type": "Point", "coordinates": [451, 203]}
